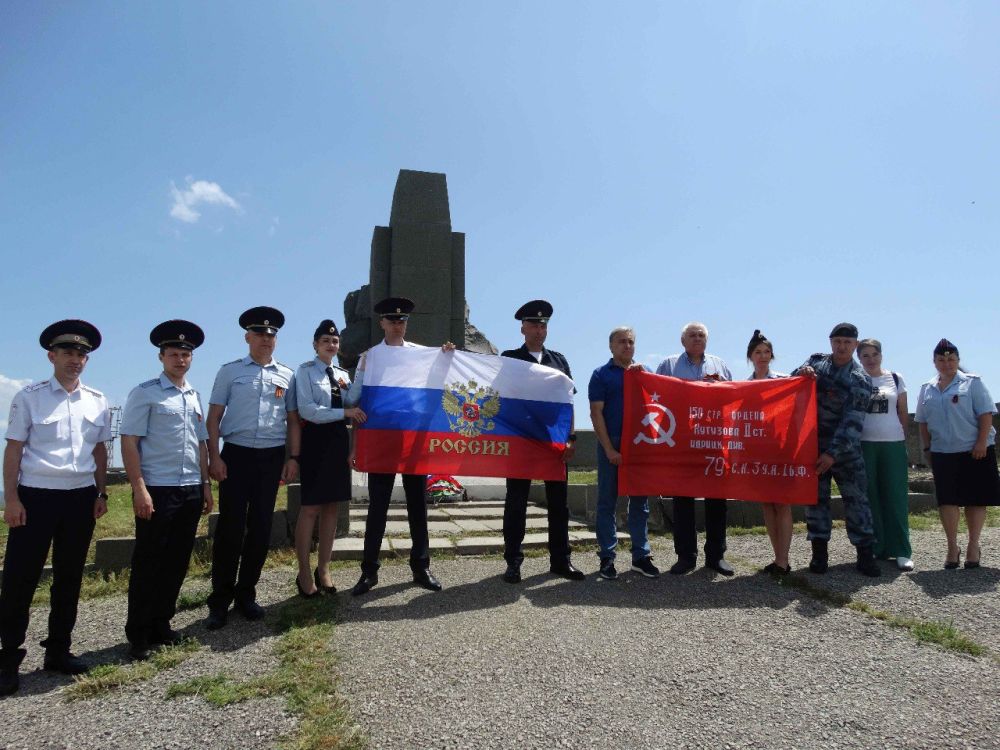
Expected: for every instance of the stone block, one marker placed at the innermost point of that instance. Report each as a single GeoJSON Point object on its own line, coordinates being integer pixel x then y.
{"type": "Point", "coordinates": [113, 553]}
{"type": "Point", "coordinates": [435, 543]}
{"type": "Point", "coordinates": [420, 198]}
{"type": "Point", "coordinates": [443, 527]}
{"type": "Point", "coordinates": [472, 525]}
{"type": "Point", "coordinates": [479, 545]}
{"type": "Point", "coordinates": [353, 549]}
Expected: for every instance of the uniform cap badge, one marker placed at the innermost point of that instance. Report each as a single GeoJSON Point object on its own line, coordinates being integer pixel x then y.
{"type": "Point", "coordinates": [181, 337]}
{"type": "Point", "coordinates": [267, 322]}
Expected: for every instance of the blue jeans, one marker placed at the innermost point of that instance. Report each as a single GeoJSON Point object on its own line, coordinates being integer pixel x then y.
{"type": "Point", "coordinates": [607, 499]}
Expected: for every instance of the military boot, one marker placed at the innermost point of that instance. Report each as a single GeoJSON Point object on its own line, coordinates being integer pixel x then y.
{"type": "Point", "coordinates": [10, 662]}
{"type": "Point", "coordinates": [866, 562]}
{"type": "Point", "coordinates": [820, 559]}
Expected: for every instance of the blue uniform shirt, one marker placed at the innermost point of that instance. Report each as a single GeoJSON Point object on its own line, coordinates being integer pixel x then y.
{"type": "Point", "coordinates": [681, 366]}
{"type": "Point", "coordinates": [607, 384]}
{"type": "Point", "coordinates": [257, 400]}
{"type": "Point", "coordinates": [170, 424]}
{"type": "Point", "coordinates": [952, 415]}
{"type": "Point", "coordinates": [312, 391]}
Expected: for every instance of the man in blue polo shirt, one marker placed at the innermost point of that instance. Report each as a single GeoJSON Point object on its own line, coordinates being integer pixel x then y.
{"type": "Point", "coordinates": [607, 408]}
{"type": "Point", "coordinates": [165, 451]}
{"type": "Point", "coordinates": [694, 364]}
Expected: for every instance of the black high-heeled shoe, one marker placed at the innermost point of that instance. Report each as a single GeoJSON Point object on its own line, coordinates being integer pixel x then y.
{"type": "Point", "coordinates": [953, 564]}
{"type": "Point", "coordinates": [974, 563]}
{"type": "Point", "coordinates": [302, 591]}
{"type": "Point", "coordinates": [320, 587]}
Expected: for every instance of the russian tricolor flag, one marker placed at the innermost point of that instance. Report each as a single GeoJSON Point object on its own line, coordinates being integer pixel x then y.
{"type": "Point", "coordinates": [435, 412]}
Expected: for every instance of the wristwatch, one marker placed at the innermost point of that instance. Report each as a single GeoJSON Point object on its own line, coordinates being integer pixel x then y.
{"type": "Point", "coordinates": [102, 495]}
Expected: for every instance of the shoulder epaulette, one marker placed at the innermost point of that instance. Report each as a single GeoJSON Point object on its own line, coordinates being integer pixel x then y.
{"type": "Point", "coordinates": [308, 363]}
{"type": "Point", "coordinates": [35, 386]}
{"type": "Point", "coordinates": [234, 362]}
{"type": "Point", "coordinates": [91, 390]}
{"type": "Point", "coordinates": [150, 383]}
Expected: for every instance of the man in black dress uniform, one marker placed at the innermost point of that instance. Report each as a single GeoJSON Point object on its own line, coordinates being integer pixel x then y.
{"type": "Point", "coordinates": [393, 313]}
{"type": "Point", "coordinates": [534, 317]}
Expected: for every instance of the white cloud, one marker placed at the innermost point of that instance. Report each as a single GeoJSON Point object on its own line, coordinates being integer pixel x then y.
{"type": "Point", "coordinates": [8, 387]}
{"type": "Point", "coordinates": [199, 193]}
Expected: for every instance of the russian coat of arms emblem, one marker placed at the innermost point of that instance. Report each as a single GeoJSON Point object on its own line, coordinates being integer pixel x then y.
{"type": "Point", "coordinates": [470, 408]}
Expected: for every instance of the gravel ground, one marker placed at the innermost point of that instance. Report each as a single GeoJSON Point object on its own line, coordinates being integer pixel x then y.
{"type": "Point", "coordinates": [698, 661]}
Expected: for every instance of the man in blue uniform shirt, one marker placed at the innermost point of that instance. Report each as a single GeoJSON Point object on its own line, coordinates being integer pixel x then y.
{"type": "Point", "coordinates": [54, 470]}
{"type": "Point", "coordinates": [165, 450]}
{"type": "Point", "coordinates": [253, 409]}
{"type": "Point", "coordinates": [843, 391]}
{"type": "Point", "coordinates": [694, 364]}
{"type": "Point", "coordinates": [534, 317]}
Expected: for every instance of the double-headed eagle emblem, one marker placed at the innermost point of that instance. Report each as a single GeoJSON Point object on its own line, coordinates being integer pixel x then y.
{"type": "Point", "coordinates": [470, 408]}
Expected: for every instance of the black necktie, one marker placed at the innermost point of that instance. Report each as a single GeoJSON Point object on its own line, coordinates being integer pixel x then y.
{"type": "Point", "coordinates": [334, 389]}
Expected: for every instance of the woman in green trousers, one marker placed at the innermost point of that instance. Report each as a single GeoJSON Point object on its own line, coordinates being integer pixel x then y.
{"type": "Point", "coordinates": [883, 445]}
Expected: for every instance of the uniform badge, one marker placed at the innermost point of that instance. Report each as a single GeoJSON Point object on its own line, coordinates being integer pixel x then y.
{"type": "Point", "coordinates": [279, 392]}
{"type": "Point", "coordinates": [470, 408]}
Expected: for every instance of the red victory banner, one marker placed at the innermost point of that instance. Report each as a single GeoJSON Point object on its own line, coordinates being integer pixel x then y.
{"type": "Point", "coordinates": [750, 440]}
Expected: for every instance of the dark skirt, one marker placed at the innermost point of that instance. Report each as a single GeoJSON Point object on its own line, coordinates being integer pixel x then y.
{"type": "Point", "coordinates": [323, 470]}
{"type": "Point", "coordinates": [960, 479]}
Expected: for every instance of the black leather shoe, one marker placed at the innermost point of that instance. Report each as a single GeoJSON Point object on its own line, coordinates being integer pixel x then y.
{"type": "Point", "coordinates": [216, 619]}
{"type": "Point", "coordinates": [682, 566]}
{"type": "Point", "coordinates": [721, 566]}
{"type": "Point", "coordinates": [302, 591]}
{"type": "Point", "coordinates": [64, 662]}
{"type": "Point", "coordinates": [365, 584]}
{"type": "Point", "coordinates": [426, 579]}
{"type": "Point", "coordinates": [138, 651]}
{"type": "Point", "coordinates": [512, 574]}
{"type": "Point", "coordinates": [251, 610]}
{"type": "Point", "coordinates": [820, 557]}
{"type": "Point", "coordinates": [568, 570]}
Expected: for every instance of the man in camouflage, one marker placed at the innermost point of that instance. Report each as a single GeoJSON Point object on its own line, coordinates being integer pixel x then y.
{"type": "Point", "coordinates": [843, 391]}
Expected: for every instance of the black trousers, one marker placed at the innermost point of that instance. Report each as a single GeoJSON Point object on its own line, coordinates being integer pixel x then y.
{"type": "Point", "coordinates": [686, 536]}
{"type": "Point", "coordinates": [379, 495]}
{"type": "Point", "coordinates": [64, 520]}
{"type": "Point", "coordinates": [246, 507]}
{"type": "Point", "coordinates": [515, 509]}
{"type": "Point", "coordinates": [160, 558]}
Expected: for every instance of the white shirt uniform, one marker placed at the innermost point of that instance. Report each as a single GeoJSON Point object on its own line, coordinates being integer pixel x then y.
{"type": "Point", "coordinates": [60, 431]}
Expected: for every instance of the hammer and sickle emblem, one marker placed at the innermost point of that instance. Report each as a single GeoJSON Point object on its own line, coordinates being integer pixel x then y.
{"type": "Point", "coordinates": [652, 419]}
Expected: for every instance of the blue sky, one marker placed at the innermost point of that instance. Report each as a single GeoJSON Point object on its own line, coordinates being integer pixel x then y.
{"type": "Point", "coordinates": [782, 166]}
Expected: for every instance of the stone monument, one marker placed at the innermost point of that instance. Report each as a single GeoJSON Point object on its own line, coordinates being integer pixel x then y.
{"type": "Point", "coordinates": [416, 256]}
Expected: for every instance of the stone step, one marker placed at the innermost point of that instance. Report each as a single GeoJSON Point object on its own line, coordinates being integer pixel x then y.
{"type": "Point", "coordinates": [465, 511]}
{"type": "Point", "coordinates": [352, 548]}
{"type": "Point", "coordinates": [399, 526]}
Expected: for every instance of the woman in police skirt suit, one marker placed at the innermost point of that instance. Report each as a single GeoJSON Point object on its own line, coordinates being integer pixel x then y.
{"type": "Point", "coordinates": [955, 414]}
{"type": "Point", "coordinates": [325, 472]}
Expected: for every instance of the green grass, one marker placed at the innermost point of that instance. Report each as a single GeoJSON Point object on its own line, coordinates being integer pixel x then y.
{"type": "Point", "coordinates": [304, 676]}
{"type": "Point", "coordinates": [942, 634]}
{"type": "Point", "coordinates": [108, 677]}
{"type": "Point", "coordinates": [583, 477]}
{"type": "Point", "coordinates": [929, 520]}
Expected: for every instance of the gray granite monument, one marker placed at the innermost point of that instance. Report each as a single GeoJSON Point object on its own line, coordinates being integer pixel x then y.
{"type": "Point", "coordinates": [416, 256]}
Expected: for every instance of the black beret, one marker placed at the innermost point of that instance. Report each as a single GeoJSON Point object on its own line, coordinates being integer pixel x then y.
{"type": "Point", "coordinates": [181, 334]}
{"type": "Point", "coordinates": [71, 334]}
{"type": "Point", "coordinates": [844, 330]}
{"type": "Point", "coordinates": [536, 311]}
{"type": "Point", "coordinates": [262, 320]}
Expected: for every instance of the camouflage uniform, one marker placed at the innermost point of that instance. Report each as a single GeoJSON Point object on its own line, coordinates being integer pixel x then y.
{"type": "Point", "coordinates": [842, 396]}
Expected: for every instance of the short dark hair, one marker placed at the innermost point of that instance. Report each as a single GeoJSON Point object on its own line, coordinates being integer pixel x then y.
{"type": "Point", "coordinates": [874, 343]}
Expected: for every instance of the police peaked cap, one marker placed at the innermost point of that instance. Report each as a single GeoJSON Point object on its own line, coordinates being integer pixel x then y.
{"type": "Point", "coordinates": [395, 308]}
{"type": "Point", "coordinates": [536, 311]}
{"type": "Point", "coordinates": [71, 334]}
{"type": "Point", "coordinates": [326, 328]}
{"type": "Point", "coordinates": [262, 320]}
{"type": "Point", "coordinates": [844, 330]}
{"type": "Point", "coordinates": [180, 334]}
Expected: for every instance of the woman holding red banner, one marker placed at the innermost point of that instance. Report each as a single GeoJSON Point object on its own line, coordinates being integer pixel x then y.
{"type": "Point", "coordinates": [955, 414]}
{"type": "Point", "coordinates": [777, 516]}
{"type": "Point", "coordinates": [883, 445]}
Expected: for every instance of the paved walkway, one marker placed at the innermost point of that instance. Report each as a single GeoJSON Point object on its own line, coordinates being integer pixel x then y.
{"type": "Point", "coordinates": [699, 661]}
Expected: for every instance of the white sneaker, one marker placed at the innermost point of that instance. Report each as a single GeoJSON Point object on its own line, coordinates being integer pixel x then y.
{"type": "Point", "coordinates": [904, 563]}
